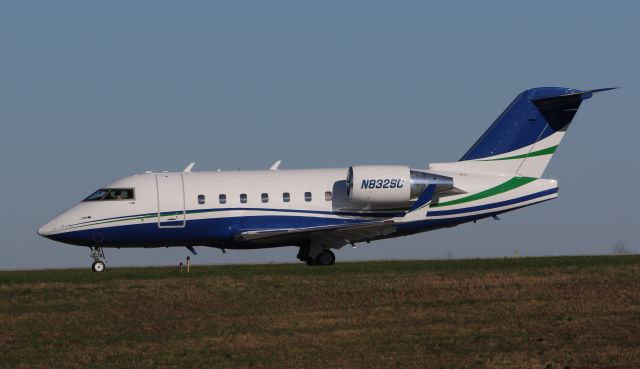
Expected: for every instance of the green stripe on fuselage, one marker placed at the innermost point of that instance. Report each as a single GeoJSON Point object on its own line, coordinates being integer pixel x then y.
{"type": "Point", "coordinates": [509, 185]}
{"type": "Point", "coordinates": [142, 217]}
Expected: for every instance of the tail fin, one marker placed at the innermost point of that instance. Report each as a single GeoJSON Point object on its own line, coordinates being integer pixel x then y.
{"type": "Point", "coordinates": [524, 137]}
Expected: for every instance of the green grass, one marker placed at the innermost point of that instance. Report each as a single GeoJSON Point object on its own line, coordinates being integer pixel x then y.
{"type": "Point", "coordinates": [556, 312]}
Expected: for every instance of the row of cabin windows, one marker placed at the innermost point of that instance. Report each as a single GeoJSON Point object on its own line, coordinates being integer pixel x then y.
{"type": "Point", "coordinates": [286, 197]}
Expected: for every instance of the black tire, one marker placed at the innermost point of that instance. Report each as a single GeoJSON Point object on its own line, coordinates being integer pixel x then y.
{"type": "Point", "coordinates": [97, 266]}
{"type": "Point", "coordinates": [326, 258]}
{"type": "Point", "coordinates": [333, 257]}
{"type": "Point", "coordinates": [311, 262]}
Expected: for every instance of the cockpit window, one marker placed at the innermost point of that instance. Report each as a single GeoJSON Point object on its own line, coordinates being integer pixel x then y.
{"type": "Point", "coordinates": [96, 196]}
{"type": "Point", "coordinates": [105, 194]}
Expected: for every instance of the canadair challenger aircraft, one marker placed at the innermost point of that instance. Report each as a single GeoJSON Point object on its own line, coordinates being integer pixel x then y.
{"type": "Point", "coordinates": [323, 209]}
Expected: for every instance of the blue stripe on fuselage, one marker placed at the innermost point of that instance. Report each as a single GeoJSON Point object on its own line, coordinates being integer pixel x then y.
{"type": "Point", "coordinates": [210, 231]}
{"type": "Point", "coordinates": [220, 232]}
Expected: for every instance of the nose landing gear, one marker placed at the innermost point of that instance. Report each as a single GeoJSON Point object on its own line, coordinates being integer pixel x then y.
{"type": "Point", "coordinates": [97, 254]}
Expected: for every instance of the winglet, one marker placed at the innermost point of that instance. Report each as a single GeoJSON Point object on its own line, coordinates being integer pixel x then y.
{"type": "Point", "coordinates": [193, 251]}
{"type": "Point", "coordinates": [276, 165]}
{"type": "Point", "coordinates": [189, 167]}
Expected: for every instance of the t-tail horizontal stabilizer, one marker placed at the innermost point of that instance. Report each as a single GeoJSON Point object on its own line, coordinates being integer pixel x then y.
{"type": "Point", "coordinates": [525, 136]}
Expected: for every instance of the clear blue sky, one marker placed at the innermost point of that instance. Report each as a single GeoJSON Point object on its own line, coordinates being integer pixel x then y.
{"type": "Point", "coordinates": [93, 91]}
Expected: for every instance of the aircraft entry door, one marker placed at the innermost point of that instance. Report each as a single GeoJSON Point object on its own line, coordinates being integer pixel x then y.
{"type": "Point", "coordinates": [171, 210]}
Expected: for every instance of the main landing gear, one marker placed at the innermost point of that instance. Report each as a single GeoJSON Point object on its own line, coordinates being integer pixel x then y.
{"type": "Point", "coordinates": [327, 257]}
{"type": "Point", "coordinates": [97, 254]}
{"type": "Point", "coordinates": [313, 256]}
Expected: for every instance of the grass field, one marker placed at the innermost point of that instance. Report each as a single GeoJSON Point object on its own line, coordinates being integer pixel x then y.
{"type": "Point", "coordinates": [556, 312]}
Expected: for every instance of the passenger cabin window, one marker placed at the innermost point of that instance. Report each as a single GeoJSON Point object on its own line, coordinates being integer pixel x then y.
{"type": "Point", "coordinates": [106, 194]}
{"type": "Point", "coordinates": [328, 196]}
{"type": "Point", "coordinates": [286, 197]}
{"type": "Point", "coordinates": [307, 196]}
{"type": "Point", "coordinates": [264, 197]}
{"type": "Point", "coordinates": [200, 199]}
{"type": "Point", "coordinates": [243, 198]}
{"type": "Point", "coordinates": [222, 198]}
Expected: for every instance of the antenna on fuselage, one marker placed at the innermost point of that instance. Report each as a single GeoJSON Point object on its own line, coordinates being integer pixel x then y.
{"type": "Point", "coordinates": [276, 165]}
{"type": "Point", "coordinates": [189, 167]}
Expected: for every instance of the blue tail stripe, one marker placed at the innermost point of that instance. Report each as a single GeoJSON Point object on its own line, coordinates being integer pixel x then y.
{"type": "Point", "coordinates": [534, 115]}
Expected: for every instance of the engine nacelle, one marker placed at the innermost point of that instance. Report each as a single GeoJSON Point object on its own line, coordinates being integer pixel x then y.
{"type": "Point", "coordinates": [391, 184]}
{"type": "Point", "coordinates": [379, 184]}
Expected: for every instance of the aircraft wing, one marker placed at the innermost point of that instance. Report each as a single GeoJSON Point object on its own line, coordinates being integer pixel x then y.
{"type": "Point", "coordinates": [334, 236]}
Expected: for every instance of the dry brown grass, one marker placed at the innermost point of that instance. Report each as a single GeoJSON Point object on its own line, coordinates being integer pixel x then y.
{"type": "Point", "coordinates": [579, 312]}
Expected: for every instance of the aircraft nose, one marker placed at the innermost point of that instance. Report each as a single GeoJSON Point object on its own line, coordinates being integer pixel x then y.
{"type": "Point", "coordinates": [45, 230]}
{"type": "Point", "coordinates": [50, 227]}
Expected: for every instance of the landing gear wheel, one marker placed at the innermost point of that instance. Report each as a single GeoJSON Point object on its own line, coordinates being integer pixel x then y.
{"type": "Point", "coordinates": [98, 258]}
{"type": "Point", "coordinates": [333, 257]}
{"type": "Point", "coordinates": [97, 266]}
{"type": "Point", "coordinates": [326, 258]}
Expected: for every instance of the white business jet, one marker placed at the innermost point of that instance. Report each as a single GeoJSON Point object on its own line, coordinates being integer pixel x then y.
{"type": "Point", "coordinates": [320, 210]}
